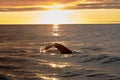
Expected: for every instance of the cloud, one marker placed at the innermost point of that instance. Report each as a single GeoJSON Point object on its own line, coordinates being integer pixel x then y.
{"type": "Point", "coordinates": [30, 5]}
{"type": "Point", "coordinates": [104, 1]}
{"type": "Point", "coordinates": [96, 6]}
{"type": "Point", "coordinates": [21, 9]}
{"type": "Point", "coordinates": [33, 2]}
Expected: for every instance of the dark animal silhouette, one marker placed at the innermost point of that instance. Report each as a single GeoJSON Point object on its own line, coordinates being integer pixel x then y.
{"type": "Point", "coordinates": [60, 47]}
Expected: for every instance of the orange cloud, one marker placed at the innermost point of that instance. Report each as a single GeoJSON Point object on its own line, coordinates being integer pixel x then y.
{"type": "Point", "coordinates": [8, 3]}
{"type": "Point", "coordinates": [26, 5]}
{"type": "Point", "coordinates": [33, 2]}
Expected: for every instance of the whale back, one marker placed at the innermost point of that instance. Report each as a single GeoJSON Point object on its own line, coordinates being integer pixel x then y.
{"type": "Point", "coordinates": [62, 49]}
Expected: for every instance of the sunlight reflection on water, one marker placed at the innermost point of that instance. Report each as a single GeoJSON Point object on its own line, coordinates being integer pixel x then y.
{"type": "Point", "coordinates": [47, 77]}
{"type": "Point", "coordinates": [55, 30]}
{"type": "Point", "coordinates": [55, 64]}
{"type": "Point", "coordinates": [58, 64]}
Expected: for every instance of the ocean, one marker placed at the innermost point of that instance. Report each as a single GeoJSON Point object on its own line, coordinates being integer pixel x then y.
{"type": "Point", "coordinates": [97, 47]}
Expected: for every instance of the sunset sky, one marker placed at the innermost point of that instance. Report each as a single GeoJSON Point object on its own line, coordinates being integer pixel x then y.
{"type": "Point", "coordinates": [59, 11]}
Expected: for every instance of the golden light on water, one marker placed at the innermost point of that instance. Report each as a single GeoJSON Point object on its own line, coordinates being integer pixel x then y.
{"type": "Point", "coordinates": [56, 27]}
{"type": "Point", "coordinates": [48, 76]}
{"type": "Point", "coordinates": [58, 64]}
{"type": "Point", "coordinates": [55, 30]}
{"type": "Point", "coordinates": [54, 65]}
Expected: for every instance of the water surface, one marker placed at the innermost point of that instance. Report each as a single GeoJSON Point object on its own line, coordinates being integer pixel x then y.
{"type": "Point", "coordinates": [98, 50]}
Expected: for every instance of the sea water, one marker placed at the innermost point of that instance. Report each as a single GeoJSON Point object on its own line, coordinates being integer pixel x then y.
{"type": "Point", "coordinates": [21, 59]}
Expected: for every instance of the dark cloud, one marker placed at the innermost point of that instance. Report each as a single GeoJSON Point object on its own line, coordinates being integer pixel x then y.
{"type": "Point", "coordinates": [105, 1]}
{"type": "Point", "coordinates": [21, 9]}
{"type": "Point", "coordinates": [96, 6]}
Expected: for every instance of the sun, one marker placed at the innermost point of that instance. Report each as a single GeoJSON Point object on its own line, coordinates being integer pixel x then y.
{"type": "Point", "coordinates": [55, 17]}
